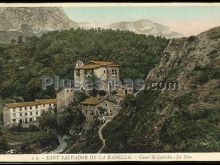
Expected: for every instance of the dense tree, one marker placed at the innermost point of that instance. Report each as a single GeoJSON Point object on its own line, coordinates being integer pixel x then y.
{"type": "Point", "coordinates": [48, 120]}
{"type": "Point", "coordinates": [3, 144]}
{"type": "Point", "coordinates": [70, 119]}
{"type": "Point", "coordinates": [55, 53]}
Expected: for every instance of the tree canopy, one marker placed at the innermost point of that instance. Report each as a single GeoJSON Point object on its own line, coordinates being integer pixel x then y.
{"type": "Point", "coordinates": [55, 53]}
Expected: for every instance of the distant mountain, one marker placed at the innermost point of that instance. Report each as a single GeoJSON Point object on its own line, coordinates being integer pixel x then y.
{"type": "Point", "coordinates": [146, 27]}
{"type": "Point", "coordinates": [27, 21]}
{"type": "Point", "coordinates": [39, 18]}
{"type": "Point", "coordinates": [139, 27]}
{"type": "Point", "coordinates": [87, 25]}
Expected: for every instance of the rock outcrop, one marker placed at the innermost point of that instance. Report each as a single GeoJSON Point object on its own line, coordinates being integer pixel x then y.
{"type": "Point", "coordinates": [183, 120]}
{"type": "Point", "coordinates": [37, 18]}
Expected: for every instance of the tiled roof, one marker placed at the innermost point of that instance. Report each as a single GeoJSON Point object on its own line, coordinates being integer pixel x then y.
{"type": "Point", "coordinates": [90, 66]}
{"type": "Point", "coordinates": [93, 101]}
{"type": "Point", "coordinates": [31, 103]}
{"type": "Point", "coordinates": [102, 62]}
{"type": "Point", "coordinates": [97, 64]}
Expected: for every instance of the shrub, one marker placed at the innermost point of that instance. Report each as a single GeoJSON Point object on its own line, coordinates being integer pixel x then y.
{"type": "Point", "coordinates": [33, 127]}
{"type": "Point", "coordinates": [216, 74]}
{"type": "Point", "coordinates": [192, 38]}
{"type": "Point", "coordinates": [202, 78]}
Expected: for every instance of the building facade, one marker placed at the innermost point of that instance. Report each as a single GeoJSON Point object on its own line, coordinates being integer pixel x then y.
{"type": "Point", "coordinates": [65, 97]}
{"type": "Point", "coordinates": [95, 107]}
{"type": "Point", "coordinates": [26, 113]}
{"type": "Point", "coordinates": [103, 70]}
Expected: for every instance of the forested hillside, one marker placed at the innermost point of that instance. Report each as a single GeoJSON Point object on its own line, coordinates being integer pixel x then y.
{"type": "Point", "coordinates": [23, 63]}
{"type": "Point", "coordinates": [184, 120]}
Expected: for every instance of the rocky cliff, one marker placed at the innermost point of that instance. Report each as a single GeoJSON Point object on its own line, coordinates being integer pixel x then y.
{"type": "Point", "coordinates": [183, 120]}
{"type": "Point", "coordinates": [27, 21]}
{"type": "Point", "coordinates": [39, 18]}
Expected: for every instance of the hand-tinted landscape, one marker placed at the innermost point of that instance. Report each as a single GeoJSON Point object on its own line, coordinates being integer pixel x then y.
{"type": "Point", "coordinates": [47, 41]}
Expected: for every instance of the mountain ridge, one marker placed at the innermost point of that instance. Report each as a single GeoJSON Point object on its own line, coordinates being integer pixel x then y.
{"type": "Point", "coordinates": [28, 21]}
{"type": "Point", "coordinates": [142, 26]}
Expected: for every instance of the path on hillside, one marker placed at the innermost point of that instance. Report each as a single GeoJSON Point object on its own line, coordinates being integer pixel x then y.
{"type": "Point", "coordinates": [101, 136]}
{"type": "Point", "coordinates": [76, 144]}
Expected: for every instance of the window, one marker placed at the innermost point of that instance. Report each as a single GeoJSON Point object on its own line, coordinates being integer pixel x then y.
{"type": "Point", "coordinates": [31, 119]}
{"type": "Point", "coordinates": [37, 113]}
{"type": "Point", "coordinates": [113, 71]}
{"type": "Point", "coordinates": [116, 72]}
{"type": "Point", "coordinates": [25, 114]}
{"type": "Point", "coordinates": [104, 71]}
{"type": "Point", "coordinates": [20, 114]}
{"type": "Point", "coordinates": [36, 106]}
{"type": "Point", "coordinates": [30, 107]}
{"type": "Point", "coordinates": [106, 104]}
{"type": "Point", "coordinates": [30, 113]}
{"type": "Point", "coordinates": [26, 120]}
{"type": "Point", "coordinates": [25, 108]}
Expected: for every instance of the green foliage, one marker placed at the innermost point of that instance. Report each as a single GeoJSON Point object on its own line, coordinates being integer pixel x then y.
{"type": "Point", "coordinates": [136, 118]}
{"type": "Point", "coordinates": [1, 116]}
{"type": "Point", "coordinates": [205, 73]}
{"type": "Point", "coordinates": [202, 78]}
{"type": "Point", "coordinates": [214, 33]}
{"type": "Point", "coordinates": [186, 99]}
{"type": "Point", "coordinates": [192, 38]}
{"type": "Point", "coordinates": [62, 122]}
{"type": "Point", "coordinates": [196, 131]}
{"type": "Point", "coordinates": [93, 142]}
{"type": "Point", "coordinates": [33, 128]}
{"type": "Point", "coordinates": [81, 96]}
{"type": "Point", "coordinates": [47, 141]}
{"type": "Point", "coordinates": [70, 118]}
{"type": "Point", "coordinates": [55, 53]}
{"type": "Point", "coordinates": [48, 120]}
{"type": "Point", "coordinates": [3, 144]}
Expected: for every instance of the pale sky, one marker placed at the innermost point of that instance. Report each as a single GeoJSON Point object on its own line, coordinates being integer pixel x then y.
{"type": "Point", "coordinates": [188, 20]}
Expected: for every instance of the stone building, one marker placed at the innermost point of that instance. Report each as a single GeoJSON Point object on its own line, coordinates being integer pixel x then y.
{"type": "Point", "coordinates": [26, 113]}
{"type": "Point", "coordinates": [103, 70]}
{"type": "Point", "coordinates": [65, 97]}
{"type": "Point", "coordinates": [95, 107]}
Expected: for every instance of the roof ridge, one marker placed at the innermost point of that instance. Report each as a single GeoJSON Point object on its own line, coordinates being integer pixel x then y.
{"type": "Point", "coordinates": [30, 103]}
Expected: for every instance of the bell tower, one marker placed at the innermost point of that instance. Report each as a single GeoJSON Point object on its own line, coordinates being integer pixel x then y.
{"type": "Point", "coordinates": [77, 76]}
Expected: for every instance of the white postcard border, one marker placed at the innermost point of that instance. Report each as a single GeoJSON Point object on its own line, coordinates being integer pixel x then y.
{"type": "Point", "coordinates": [139, 157]}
